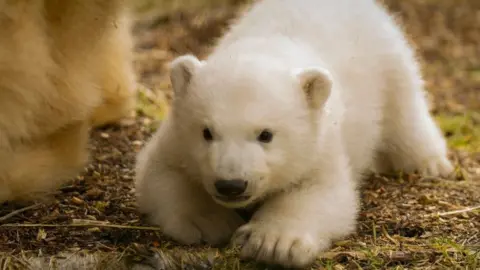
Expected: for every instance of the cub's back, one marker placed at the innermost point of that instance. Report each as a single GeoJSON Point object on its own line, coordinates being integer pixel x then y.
{"type": "Point", "coordinates": [357, 40]}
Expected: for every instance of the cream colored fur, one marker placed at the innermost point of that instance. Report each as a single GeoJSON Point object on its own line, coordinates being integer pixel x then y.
{"type": "Point", "coordinates": [336, 83]}
{"type": "Point", "coordinates": [65, 65]}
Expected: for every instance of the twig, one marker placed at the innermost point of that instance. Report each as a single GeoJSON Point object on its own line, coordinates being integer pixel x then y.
{"type": "Point", "coordinates": [94, 224]}
{"type": "Point", "coordinates": [388, 236]}
{"type": "Point", "coordinates": [465, 210]}
{"type": "Point", "coordinates": [16, 212]}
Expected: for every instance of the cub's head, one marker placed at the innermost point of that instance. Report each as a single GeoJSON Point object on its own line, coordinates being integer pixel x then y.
{"type": "Point", "coordinates": [249, 123]}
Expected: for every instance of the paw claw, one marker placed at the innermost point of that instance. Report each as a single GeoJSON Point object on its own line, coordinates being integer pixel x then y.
{"type": "Point", "coordinates": [281, 246]}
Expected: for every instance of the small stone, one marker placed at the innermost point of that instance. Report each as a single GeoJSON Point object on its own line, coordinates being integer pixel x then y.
{"type": "Point", "coordinates": [77, 201]}
{"type": "Point", "coordinates": [94, 193]}
{"type": "Point", "coordinates": [400, 256]}
{"type": "Point", "coordinates": [137, 143]}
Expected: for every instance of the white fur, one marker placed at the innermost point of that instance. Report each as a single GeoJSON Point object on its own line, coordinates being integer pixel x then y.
{"type": "Point", "coordinates": [336, 82]}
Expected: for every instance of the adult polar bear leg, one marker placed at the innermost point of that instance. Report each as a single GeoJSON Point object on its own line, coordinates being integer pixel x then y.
{"type": "Point", "coordinates": [115, 74]}
{"type": "Point", "coordinates": [291, 228]}
{"type": "Point", "coordinates": [412, 140]}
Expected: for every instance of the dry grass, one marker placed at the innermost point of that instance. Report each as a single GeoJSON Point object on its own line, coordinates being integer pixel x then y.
{"type": "Point", "coordinates": [406, 222]}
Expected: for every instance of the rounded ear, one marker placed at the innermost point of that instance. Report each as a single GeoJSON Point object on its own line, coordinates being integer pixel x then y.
{"type": "Point", "coordinates": [316, 83]}
{"type": "Point", "coordinates": [181, 72]}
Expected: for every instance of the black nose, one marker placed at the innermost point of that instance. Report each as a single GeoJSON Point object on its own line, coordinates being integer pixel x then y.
{"type": "Point", "coordinates": [230, 188]}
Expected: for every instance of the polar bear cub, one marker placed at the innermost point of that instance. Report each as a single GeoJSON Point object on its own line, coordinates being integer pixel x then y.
{"type": "Point", "coordinates": [298, 100]}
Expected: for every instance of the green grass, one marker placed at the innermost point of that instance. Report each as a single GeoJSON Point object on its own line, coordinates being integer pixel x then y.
{"type": "Point", "coordinates": [462, 131]}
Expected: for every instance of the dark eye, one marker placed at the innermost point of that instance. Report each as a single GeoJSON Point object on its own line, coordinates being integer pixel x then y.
{"type": "Point", "coordinates": [207, 134]}
{"type": "Point", "coordinates": [265, 136]}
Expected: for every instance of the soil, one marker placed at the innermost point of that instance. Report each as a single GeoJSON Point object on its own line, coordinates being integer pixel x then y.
{"type": "Point", "coordinates": [407, 221]}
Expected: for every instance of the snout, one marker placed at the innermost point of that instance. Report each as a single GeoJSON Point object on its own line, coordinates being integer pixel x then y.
{"type": "Point", "coordinates": [231, 190]}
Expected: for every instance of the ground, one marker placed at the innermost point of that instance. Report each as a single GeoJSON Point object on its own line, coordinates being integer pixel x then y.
{"type": "Point", "coordinates": [406, 221]}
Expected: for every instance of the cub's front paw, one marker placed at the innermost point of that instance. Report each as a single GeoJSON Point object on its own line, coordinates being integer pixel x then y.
{"type": "Point", "coordinates": [213, 227]}
{"type": "Point", "coordinates": [280, 245]}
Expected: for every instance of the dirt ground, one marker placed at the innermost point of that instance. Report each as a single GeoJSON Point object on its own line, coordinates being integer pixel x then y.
{"type": "Point", "coordinates": [406, 222]}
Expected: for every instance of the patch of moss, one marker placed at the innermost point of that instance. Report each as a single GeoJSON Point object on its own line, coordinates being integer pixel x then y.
{"type": "Point", "coordinates": [152, 105]}
{"type": "Point", "coordinates": [462, 131]}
